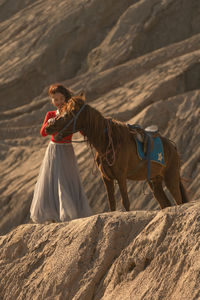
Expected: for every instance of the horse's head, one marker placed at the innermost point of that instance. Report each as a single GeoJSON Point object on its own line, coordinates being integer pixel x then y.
{"type": "Point", "coordinates": [69, 120]}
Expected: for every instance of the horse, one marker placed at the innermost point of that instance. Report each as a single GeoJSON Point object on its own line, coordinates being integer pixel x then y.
{"type": "Point", "coordinates": [116, 153]}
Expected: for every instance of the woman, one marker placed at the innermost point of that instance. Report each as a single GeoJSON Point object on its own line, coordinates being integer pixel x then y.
{"type": "Point", "coordinates": [58, 194]}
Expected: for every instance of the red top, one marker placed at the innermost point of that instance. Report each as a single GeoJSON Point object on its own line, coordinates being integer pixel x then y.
{"type": "Point", "coordinates": [49, 115]}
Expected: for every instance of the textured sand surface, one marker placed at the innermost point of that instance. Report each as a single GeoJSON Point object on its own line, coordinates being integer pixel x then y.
{"type": "Point", "coordinates": [135, 255]}
{"type": "Point", "coordinates": [138, 62]}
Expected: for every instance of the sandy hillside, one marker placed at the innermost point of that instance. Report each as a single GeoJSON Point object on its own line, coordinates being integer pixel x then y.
{"type": "Point", "coordinates": [138, 62]}
{"type": "Point", "coordinates": [122, 256]}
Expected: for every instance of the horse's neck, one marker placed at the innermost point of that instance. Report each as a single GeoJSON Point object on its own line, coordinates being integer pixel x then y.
{"type": "Point", "coordinates": [95, 129]}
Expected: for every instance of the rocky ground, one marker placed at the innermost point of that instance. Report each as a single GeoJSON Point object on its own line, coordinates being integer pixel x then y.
{"type": "Point", "coordinates": [135, 255]}
{"type": "Point", "coordinates": [138, 62]}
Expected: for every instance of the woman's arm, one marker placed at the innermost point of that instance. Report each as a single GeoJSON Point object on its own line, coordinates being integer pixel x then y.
{"type": "Point", "coordinates": [48, 116]}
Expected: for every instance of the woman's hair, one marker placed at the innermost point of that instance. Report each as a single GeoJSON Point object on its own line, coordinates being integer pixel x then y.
{"type": "Point", "coordinates": [59, 88]}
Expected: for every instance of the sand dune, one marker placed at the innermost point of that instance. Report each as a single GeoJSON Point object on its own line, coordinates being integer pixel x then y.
{"type": "Point", "coordinates": [138, 62]}
{"type": "Point", "coordinates": [135, 255]}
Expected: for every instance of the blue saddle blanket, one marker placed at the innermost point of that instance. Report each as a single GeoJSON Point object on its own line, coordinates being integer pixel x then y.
{"type": "Point", "coordinates": [157, 153]}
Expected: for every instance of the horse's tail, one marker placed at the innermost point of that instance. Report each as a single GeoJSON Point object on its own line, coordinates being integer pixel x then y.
{"type": "Point", "coordinates": [184, 193]}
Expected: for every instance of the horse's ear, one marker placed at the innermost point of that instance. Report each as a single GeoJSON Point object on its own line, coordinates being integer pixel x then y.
{"type": "Point", "coordinates": [82, 95]}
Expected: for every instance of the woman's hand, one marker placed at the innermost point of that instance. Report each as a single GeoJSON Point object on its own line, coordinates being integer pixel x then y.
{"type": "Point", "coordinates": [51, 121]}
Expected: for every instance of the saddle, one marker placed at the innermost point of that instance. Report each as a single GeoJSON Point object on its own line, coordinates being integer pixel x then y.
{"type": "Point", "coordinates": [144, 134]}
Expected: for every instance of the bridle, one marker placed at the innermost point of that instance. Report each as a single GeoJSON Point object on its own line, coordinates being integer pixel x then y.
{"type": "Point", "coordinates": [73, 120]}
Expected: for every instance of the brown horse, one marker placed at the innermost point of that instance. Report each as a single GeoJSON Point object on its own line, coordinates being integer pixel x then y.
{"type": "Point", "coordinates": [116, 153]}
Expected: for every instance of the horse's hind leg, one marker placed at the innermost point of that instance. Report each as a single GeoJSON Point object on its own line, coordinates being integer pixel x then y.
{"type": "Point", "coordinates": [173, 185]}
{"type": "Point", "coordinates": [172, 178]}
{"type": "Point", "coordinates": [159, 194]}
{"type": "Point", "coordinates": [109, 184]}
{"type": "Point", "coordinates": [184, 193]}
{"type": "Point", "coordinates": [124, 193]}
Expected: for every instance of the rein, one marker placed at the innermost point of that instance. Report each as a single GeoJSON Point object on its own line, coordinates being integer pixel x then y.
{"type": "Point", "coordinates": [110, 147]}
{"type": "Point", "coordinates": [110, 144]}
{"type": "Point", "coordinates": [73, 120]}
{"type": "Point", "coordinates": [112, 150]}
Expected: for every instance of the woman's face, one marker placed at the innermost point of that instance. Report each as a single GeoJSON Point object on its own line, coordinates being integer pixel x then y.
{"type": "Point", "coordinates": [58, 100]}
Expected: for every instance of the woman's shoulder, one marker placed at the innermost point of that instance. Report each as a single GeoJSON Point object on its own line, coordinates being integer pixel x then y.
{"type": "Point", "coordinates": [51, 113]}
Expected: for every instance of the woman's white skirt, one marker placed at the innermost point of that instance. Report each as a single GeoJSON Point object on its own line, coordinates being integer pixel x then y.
{"type": "Point", "coordinates": [58, 194]}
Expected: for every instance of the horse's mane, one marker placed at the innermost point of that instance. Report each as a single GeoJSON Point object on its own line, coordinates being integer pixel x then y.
{"type": "Point", "coordinates": [97, 124]}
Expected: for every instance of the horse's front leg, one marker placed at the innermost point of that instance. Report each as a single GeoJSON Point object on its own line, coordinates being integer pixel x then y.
{"type": "Point", "coordinates": [109, 184]}
{"type": "Point", "coordinates": [124, 193]}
